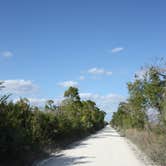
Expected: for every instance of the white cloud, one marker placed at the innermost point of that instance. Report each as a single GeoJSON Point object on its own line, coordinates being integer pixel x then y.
{"type": "Point", "coordinates": [68, 83]}
{"type": "Point", "coordinates": [37, 101]}
{"type": "Point", "coordinates": [6, 54]}
{"type": "Point", "coordinates": [141, 73]}
{"type": "Point", "coordinates": [113, 98]}
{"type": "Point", "coordinates": [96, 71]}
{"type": "Point", "coordinates": [99, 71]}
{"type": "Point", "coordinates": [117, 49]}
{"type": "Point", "coordinates": [81, 78]}
{"type": "Point", "coordinates": [41, 101]}
{"type": "Point", "coordinates": [108, 103]}
{"type": "Point", "coordinates": [108, 73]}
{"type": "Point", "coordinates": [87, 96]}
{"type": "Point", "coordinates": [19, 86]}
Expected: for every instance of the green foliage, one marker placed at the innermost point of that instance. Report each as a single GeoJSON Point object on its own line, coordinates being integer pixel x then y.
{"type": "Point", "coordinates": [25, 129]}
{"type": "Point", "coordinates": [50, 106]}
{"type": "Point", "coordinates": [72, 93]}
{"type": "Point", "coordinates": [144, 93]}
{"type": "Point", "coordinates": [132, 117]}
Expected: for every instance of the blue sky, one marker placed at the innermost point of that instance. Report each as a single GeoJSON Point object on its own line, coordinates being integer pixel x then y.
{"type": "Point", "coordinates": [93, 44]}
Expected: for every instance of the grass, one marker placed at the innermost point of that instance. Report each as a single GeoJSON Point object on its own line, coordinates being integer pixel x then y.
{"type": "Point", "coordinates": [152, 143]}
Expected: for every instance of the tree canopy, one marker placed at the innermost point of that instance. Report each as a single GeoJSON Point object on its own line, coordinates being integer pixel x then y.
{"type": "Point", "coordinates": [145, 93]}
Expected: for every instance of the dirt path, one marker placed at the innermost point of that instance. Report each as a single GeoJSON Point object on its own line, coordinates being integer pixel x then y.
{"type": "Point", "coordinates": [106, 148]}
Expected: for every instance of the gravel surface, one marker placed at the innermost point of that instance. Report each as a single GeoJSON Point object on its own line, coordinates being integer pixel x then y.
{"type": "Point", "coordinates": [105, 148]}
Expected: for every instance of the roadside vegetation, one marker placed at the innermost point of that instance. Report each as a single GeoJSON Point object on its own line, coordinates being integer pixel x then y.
{"type": "Point", "coordinates": [26, 131]}
{"type": "Point", "coordinates": [142, 117]}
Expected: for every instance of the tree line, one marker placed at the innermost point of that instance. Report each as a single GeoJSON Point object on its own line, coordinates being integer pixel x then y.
{"type": "Point", "coordinates": [26, 130]}
{"type": "Point", "coordinates": [147, 96]}
{"type": "Point", "coordinates": [142, 117]}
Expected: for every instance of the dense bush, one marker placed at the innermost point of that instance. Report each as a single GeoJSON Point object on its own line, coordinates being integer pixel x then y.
{"type": "Point", "coordinates": [25, 130]}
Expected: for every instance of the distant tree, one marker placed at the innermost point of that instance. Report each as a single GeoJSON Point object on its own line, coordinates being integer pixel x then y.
{"type": "Point", "coordinates": [50, 106]}
{"type": "Point", "coordinates": [24, 104]}
{"type": "Point", "coordinates": [72, 93]}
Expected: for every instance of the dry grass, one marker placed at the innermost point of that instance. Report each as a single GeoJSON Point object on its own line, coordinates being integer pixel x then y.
{"type": "Point", "coordinates": [151, 143]}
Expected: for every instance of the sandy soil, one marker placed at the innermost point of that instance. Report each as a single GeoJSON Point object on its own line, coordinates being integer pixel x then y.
{"type": "Point", "coordinates": [106, 148]}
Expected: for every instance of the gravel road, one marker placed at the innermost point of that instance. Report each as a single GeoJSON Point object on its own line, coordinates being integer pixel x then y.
{"type": "Point", "coordinates": [105, 148]}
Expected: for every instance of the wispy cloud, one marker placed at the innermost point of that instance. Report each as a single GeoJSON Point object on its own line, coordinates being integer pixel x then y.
{"type": "Point", "coordinates": [140, 74]}
{"type": "Point", "coordinates": [109, 98]}
{"type": "Point", "coordinates": [117, 49]}
{"type": "Point", "coordinates": [108, 102]}
{"type": "Point", "coordinates": [68, 83]}
{"type": "Point", "coordinates": [82, 78]}
{"type": "Point", "coordinates": [6, 54]}
{"type": "Point", "coordinates": [41, 101]}
{"type": "Point", "coordinates": [99, 71]}
{"type": "Point", "coordinates": [19, 86]}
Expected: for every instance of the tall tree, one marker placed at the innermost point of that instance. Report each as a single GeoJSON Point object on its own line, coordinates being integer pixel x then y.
{"type": "Point", "coordinates": [72, 93]}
